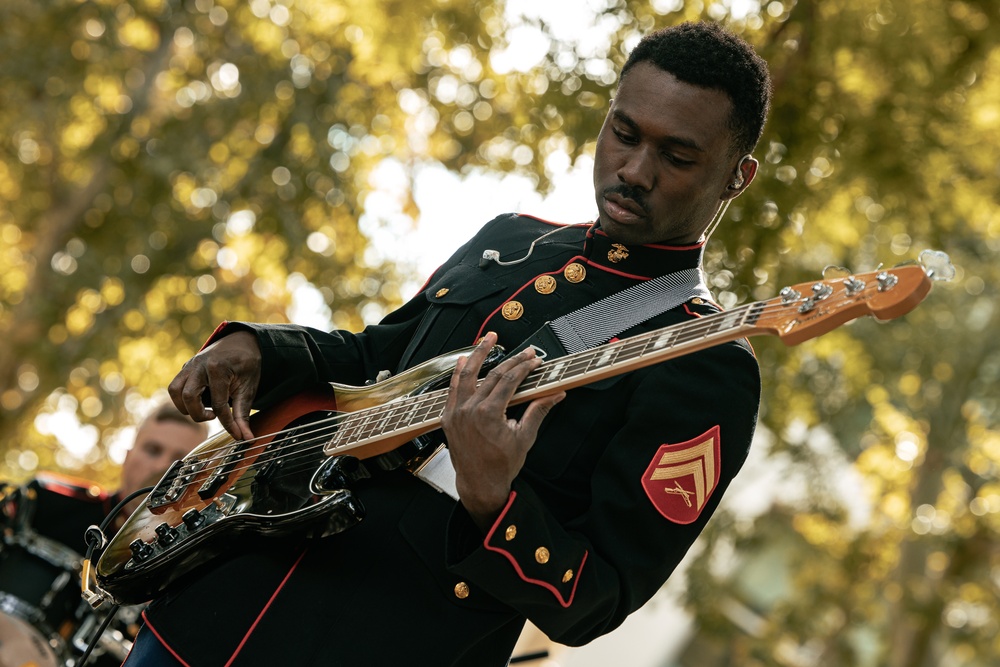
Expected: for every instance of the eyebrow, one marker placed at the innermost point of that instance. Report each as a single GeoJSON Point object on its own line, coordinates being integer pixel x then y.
{"type": "Point", "coordinates": [670, 140]}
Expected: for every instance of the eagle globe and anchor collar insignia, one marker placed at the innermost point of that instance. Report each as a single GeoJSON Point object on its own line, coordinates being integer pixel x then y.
{"type": "Point", "coordinates": [617, 253]}
{"type": "Point", "coordinates": [681, 478]}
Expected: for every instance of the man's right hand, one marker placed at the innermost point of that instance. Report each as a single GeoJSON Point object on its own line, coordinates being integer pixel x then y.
{"type": "Point", "coordinates": [226, 374]}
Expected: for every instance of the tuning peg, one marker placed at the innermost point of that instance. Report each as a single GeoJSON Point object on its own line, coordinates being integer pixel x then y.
{"type": "Point", "coordinates": [937, 265]}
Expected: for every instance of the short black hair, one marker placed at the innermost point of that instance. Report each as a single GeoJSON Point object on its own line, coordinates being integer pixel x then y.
{"type": "Point", "coordinates": [706, 54]}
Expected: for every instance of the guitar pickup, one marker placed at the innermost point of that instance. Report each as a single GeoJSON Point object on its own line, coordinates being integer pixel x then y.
{"type": "Point", "coordinates": [174, 482]}
{"type": "Point", "coordinates": [162, 493]}
{"type": "Point", "coordinates": [219, 477]}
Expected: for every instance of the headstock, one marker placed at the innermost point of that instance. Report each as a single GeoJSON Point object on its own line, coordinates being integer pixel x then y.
{"type": "Point", "coordinates": [807, 310]}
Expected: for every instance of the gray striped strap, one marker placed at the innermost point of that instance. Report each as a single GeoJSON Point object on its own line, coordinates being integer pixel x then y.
{"type": "Point", "coordinates": [602, 320]}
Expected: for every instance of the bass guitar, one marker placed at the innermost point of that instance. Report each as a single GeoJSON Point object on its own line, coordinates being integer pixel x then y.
{"type": "Point", "coordinates": [296, 479]}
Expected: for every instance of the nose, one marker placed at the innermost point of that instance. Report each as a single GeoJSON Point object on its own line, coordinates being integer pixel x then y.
{"type": "Point", "coordinates": [638, 168]}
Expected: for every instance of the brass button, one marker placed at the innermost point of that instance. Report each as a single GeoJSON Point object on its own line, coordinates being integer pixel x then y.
{"type": "Point", "coordinates": [542, 555]}
{"type": "Point", "coordinates": [568, 576]}
{"type": "Point", "coordinates": [617, 253]}
{"type": "Point", "coordinates": [512, 310]}
{"type": "Point", "coordinates": [461, 590]}
{"type": "Point", "coordinates": [545, 285]}
{"type": "Point", "coordinates": [575, 272]}
{"type": "Point", "coordinates": [511, 532]}
{"type": "Point", "coordinates": [697, 301]}
{"type": "Point", "coordinates": [441, 292]}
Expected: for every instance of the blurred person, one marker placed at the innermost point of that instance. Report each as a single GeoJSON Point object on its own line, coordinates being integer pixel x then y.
{"type": "Point", "coordinates": [570, 511]}
{"type": "Point", "coordinates": [44, 521]}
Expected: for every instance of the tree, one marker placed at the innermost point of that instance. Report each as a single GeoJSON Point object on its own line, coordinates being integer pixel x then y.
{"type": "Point", "coordinates": [171, 164]}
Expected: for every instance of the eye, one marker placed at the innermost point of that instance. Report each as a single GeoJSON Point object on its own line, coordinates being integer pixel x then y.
{"type": "Point", "coordinates": [680, 162]}
{"type": "Point", "coordinates": [624, 136]}
{"type": "Point", "coordinates": [153, 449]}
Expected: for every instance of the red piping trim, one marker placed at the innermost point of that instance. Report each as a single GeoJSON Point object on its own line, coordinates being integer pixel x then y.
{"type": "Point", "coordinates": [218, 330]}
{"type": "Point", "coordinates": [657, 246]}
{"type": "Point", "coordinates": [162, 641]}
{"type": "Point", "coordinates": [428, 281]}
{"type": "Point", "coordinates": [266, 607]}
{"type": "Point", "coordinates": [691, 312]}
{"type": "Point", "coordinates": [577, 258]}
{"type": "Point", "coordinates": [606, 269]}
{"type": "Point", "coordinates": [517, 568]}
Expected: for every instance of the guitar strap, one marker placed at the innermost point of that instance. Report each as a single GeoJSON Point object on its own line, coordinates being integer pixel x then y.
{"type": "Point", "coordinates": [582, 329]}
{"type": "Point", "coordinates": [602, 320]}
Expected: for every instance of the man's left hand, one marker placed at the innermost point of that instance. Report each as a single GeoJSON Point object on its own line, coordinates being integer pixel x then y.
{"type": "Point", "coordinates": [487, 448]}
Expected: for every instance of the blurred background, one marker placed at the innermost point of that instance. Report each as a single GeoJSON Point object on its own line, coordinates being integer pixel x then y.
{"type": "Point", "coordinates": [167, 164]}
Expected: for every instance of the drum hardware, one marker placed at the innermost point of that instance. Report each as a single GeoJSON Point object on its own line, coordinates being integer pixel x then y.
{"type": "Point", "coordinates": [38, 599]}
{"type": "Point", "coordinates": [96, 540]}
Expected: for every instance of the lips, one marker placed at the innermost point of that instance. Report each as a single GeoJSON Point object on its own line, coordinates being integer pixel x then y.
{"type": "Point", "coordinates": [623, 209]}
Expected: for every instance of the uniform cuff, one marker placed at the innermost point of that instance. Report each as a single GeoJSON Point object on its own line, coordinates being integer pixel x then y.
{"type": "Point", "coordinates": [522, 544]}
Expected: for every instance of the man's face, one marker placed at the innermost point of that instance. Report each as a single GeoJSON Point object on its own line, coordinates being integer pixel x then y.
{"type": "Point", "coordinates": [157, 445]}
{"type": "Point", "coordinates": [663, 159]}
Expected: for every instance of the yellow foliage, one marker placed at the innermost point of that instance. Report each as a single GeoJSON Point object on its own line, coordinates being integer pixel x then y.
{"type": "Point", "coordinates": [139, 33]}
{"type": "Point", "coordinates": [820, 531]}
{"type": "Point", "coordinates": [112, 291]}
{"type": "Point", "coordinates": [79, 320]}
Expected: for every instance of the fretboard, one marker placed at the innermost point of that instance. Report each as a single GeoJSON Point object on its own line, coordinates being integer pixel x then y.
{"type": "Point", "coordinates": [413, 415]}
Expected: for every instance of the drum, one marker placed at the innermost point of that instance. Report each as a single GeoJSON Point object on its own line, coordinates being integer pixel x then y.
{"type": "Point", "coordinates": [39, 600]}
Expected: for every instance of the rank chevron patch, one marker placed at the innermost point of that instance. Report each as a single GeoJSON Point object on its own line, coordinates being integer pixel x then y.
{"type": "Point", "coordinates": [681, 478]}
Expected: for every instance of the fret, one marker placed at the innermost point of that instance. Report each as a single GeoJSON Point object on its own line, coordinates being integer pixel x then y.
{"type": "Point", "coordinates": [607, 356]}
{"type": "Point", "coordinates": [730, 319]}
{"type": "Point", "coordinates": [397, 413]}
{"type": "Point", "coordinates": [554, 372]}
{"type": "Point", "coordinates": [416, 412]}
{"type": "Point", "coordinates": [633, 348]}
{"type": "Point", "coordinates": [753, 313]}
{"type": "Point", "coordinates": [664, 339]}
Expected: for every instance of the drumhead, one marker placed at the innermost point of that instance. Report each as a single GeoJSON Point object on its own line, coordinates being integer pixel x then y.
{"type": "Point", "coordinates": [21, 644]}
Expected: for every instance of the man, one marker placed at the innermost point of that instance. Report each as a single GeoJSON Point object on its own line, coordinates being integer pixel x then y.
{"type": "Point", "coordinates": [60, 507]}
{"type": "Point", "coordinates": [572, 512]}
{"type": "Point", "coordinates": [44, 522]}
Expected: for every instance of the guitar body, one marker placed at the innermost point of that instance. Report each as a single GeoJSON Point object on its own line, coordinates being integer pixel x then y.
{"type": "Point", "coordinates": [277, 484]}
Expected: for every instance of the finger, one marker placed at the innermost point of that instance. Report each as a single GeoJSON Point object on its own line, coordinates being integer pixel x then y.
{"type": "Point", "coordinates": [176, 390]}
{"type": "Point", "coordinates": [503, 381]}
{"type": "Point", "coordinates": [536, 411]}
{"type": "Point", "coordinates": [218, 389]}
{"type": "Point", "coordinates": [241, 414]}
{"type": "Point", "coordinates": [190, 399]}
{"type": "Point", "coordinates": [453, 386]}
{"type": "Point", "coordinates": [470, 372]}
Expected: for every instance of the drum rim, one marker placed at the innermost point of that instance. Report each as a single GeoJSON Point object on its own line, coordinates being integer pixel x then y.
{"type": "Point", "coordinates": [49, 550]}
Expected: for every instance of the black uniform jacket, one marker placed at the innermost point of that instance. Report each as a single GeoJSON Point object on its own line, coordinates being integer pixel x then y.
{"type": "Point", "coordinates": [622, 478]}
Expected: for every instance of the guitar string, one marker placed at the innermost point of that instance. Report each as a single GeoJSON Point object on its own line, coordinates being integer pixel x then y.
{"type": "Point", "coordinates": [703, 327]}
{"type": "Point", "coordinates": [678, 334]}
{"type": "Point", "coordinates": [566, 364]}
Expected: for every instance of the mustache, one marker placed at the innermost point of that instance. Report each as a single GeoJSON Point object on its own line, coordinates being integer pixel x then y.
{"type": "Point", "coordinates": [627, 191]}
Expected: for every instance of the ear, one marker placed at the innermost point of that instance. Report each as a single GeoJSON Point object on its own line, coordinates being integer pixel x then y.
{"type": "Point", "coordinates": [745, 171]}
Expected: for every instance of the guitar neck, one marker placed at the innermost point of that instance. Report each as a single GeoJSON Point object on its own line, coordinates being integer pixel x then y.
{"type": "Point", "coordinates": [798, 313]}
{"type": "Point", "coordinates": [411, 416]}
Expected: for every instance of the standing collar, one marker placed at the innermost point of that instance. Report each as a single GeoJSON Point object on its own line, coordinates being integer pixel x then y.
{"type": "Point", "coordinates": [640, 261]}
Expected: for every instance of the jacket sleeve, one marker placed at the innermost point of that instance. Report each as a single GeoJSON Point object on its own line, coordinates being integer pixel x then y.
{"type": "Point", "coordinates": [650, 494]}
{"type": "Point", "coordinates": [295, 357]}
